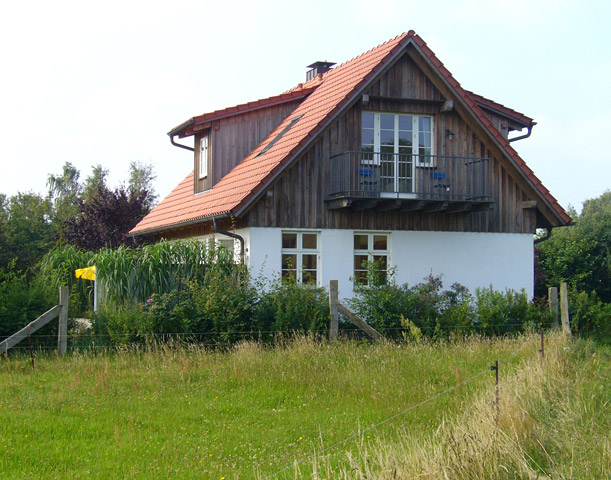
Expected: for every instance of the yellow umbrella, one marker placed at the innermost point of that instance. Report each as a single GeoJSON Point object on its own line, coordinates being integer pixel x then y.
{"type": "Point", "coordinates": [86, 273]}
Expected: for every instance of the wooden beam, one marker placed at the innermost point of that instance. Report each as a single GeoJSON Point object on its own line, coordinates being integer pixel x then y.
{"type": "Point", "coordinates": [333, 308]}
{"type": "Point", "coordinates": [529, 204]}
{"type": "Point", "coordinates": [365, 204]}
{"type": "Point", "coordinates": [412, 205]}
{"type": "Point", "coordinates": [564, 309]}
{"type": "Point", "coordinates": [460, 207]}
{"type": "Point", "coordinates": [62, 328]}
{"type": "Point", "coordinates": [30, 328]}
{"type": "Point", "coordinates": [388, 205]}
{"type": "Point", "coordinates": [354, 319]}
{"type": "Point", "coordinates": [482, 207]}
{"type": "Point", "coordinates": [447, 106]}
{"type": "Point", "coordinates": [406, 100]}
{"type": "Point", "coordinates": [436, 206]}
{"type": "Point", "coordinates": [337, 203]}
{"type": "Point", "coordinates": [552, 295]}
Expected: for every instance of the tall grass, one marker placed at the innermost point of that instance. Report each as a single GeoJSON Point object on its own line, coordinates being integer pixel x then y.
{"type": "Point", "coordinates": [553, 422]}
{"type": "Point", "coordinates": [134, 274]}
{"type": "Point", "coordinates": [186, 412]}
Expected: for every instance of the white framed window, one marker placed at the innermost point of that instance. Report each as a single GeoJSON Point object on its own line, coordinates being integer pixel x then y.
{"type": "Point", "coordinates": [300, 257]}
{"type": "Point", "coordinates": [371, 248]}
{"type": "Point", "coordinates": [203, 157]}
{"type": "Point", "coordinates": [397, 134]}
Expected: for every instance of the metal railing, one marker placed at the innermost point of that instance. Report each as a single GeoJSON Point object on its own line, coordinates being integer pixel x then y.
{"type": "Point", "coordinates": [421, 177]}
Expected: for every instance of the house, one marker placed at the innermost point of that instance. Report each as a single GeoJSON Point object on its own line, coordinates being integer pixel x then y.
{"type": "Point", "coordinates": [383, 158]}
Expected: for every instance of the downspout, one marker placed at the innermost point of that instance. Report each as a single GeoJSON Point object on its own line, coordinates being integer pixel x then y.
{"type": "Point", "coordinates": [526, 135]}
{"type": "Point", "coordinates": [178, 144]}
{"type": "Point", "coordinates": [175, 131]}
{"type": "Point", "coordinates": [217, 229]}
{"type": "Point", "coordinates": [548, 233]}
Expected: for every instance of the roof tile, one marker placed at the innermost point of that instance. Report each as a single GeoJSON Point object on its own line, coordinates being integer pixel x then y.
{"type": "Point", "coordinates": [327, 95]}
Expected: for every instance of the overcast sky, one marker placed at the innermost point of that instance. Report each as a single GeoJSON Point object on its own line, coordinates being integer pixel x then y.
{"type": "Point", "coordinates": [103, 83]}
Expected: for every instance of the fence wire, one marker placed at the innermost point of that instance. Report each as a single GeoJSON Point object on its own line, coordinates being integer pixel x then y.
{"type": "Point", "coordinates": [373, 427]}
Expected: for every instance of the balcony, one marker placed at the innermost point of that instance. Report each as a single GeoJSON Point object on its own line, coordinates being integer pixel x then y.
{"type": "Point", "coordinates": [409, 182]}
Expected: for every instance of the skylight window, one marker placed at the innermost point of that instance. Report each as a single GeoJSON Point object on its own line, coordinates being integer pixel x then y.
{"type": "Point", "coordinates": [279, 136]}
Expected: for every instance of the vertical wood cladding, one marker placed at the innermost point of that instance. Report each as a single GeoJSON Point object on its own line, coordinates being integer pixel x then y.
{"type": "Point", "coordinates": [296, 198]}
{"type": "Point", "coordinates": [232, 138]}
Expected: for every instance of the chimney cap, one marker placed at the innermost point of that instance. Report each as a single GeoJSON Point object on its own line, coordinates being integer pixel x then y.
{"type": "Point", "coordinates": [321, 65]}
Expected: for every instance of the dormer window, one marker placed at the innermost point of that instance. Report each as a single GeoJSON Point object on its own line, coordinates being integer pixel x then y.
{"type": "Point", "coordinates": [203, 157]}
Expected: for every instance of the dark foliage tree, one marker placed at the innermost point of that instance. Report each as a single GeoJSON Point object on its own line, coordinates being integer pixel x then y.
{"type": "Point", "coordinates": [105, 218]}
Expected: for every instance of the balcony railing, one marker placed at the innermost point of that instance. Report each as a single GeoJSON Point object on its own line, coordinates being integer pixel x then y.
{"type": "Point", "coordinates": [389, 175]}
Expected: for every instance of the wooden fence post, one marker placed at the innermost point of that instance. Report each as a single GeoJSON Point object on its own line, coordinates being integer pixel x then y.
{"type": "Point", "coordinates": [552, 295]}
{"type": "Point", "coordinates": [334, 318]}
{"type": "Point", "coordinates": [62, 330]}
{"type": "Point", "coordinates": [564, 308]}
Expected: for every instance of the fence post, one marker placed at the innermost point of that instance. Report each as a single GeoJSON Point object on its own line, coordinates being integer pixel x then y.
{"type": "Point", "coordinates": [564, 308]}
{"type": "Point", "coordinates": [62, 330]}
{"type": "Point", "coordinates": [552, 295]}
{"type": "Point", "coordinates": [334, 317]}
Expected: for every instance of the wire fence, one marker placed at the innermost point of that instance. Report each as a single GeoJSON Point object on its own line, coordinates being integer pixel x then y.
{"type": "Point", "coordinates": [179, 336]}
{"type": "Point", "coordinates": [360, 433]}
{"type": "Point", "coordinates": [89, 339]}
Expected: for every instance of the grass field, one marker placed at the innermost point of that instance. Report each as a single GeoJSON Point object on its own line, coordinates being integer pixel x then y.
{"type": "Point", "coordinates": [184, 412]}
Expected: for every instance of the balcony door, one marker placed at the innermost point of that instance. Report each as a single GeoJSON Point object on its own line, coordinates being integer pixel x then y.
{"type": "Point", "coordinates": [396, 144]}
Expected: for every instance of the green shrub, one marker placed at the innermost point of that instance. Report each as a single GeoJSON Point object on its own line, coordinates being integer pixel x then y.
{"type": "Point", "coordinates": [391, 308]}
{"type": "Point", "coordinates": [291, 307]}
{"type": "Point", "coordinates": [590, 316]}
{"type": "Point", "coordinates": [119, 325]}
{"type": "Point", "coordinates": [22, 300]}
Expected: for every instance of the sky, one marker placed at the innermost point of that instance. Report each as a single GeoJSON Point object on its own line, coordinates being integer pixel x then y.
{"type": "Point", "coordinates": [102, 83]}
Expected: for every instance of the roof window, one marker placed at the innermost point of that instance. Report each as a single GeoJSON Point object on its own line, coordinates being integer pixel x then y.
{"type": "Point", "coordinates": [279, 136]}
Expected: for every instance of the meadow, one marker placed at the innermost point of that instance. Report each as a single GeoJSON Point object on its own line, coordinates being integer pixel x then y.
{"type": "Point", "coordinates": [253, 411]}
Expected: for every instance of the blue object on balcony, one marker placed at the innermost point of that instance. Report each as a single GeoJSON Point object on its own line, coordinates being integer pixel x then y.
{"type": "Point", "coordinates": [438, 174]}
{"type": "Point", "coordinates": [366, 172]}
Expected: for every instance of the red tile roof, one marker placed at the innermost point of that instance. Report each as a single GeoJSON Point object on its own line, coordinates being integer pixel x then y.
{"type": "Point", "coordinates": [186, 129]}
{"type": "Point", "coordinates": [492, 105]}
{"type": "Point", "coordinates": [494, 132]}
{"type": "Point", "coordinates": [328, 94]}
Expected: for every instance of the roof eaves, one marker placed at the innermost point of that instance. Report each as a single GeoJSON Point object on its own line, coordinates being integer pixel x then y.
{"type": "Point", "coordinates": [500, 109]}
{"type": "Point", "coordinates": [185, 223]}
{"type": "Point", "coordinates": [496, 136]}
{"type": "Point", "coordinates": [286, 97]}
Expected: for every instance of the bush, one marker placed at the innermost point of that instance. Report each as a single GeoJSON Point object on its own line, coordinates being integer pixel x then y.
{"type": "Point", "coordinates": [125, 324]}
{"type": "Point", "coordinates": [590, 316]}
{"type": "Point", "coordinates": [21, 301]}
{"type": "Point", "coordinates": [292, 307]}
{"type": "Point", "coordinates": [391, 308]}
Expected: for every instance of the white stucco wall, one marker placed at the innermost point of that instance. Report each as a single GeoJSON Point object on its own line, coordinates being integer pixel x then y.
{"type": "Point", "coordinates": [503, 260]}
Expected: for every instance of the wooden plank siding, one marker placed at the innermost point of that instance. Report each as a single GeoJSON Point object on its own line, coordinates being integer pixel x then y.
{"type": "Point", "coordinates": [296, 199]}
{"type": "Point", "coordinates": [232, 138]}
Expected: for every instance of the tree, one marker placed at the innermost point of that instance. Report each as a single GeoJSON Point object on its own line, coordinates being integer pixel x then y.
{"type": "Point", "coordinates": [581, 254]}
{"type": "Point", "coordinates": [141, 178]}
{"type": "Point", "coordinates": [64, 192]}
{"type": "Point", "coordinates": [26, 230]}
{"type": "Point", "coordinates": [94, 181]}
{"type": "Point", "coordinates": [105, 219]}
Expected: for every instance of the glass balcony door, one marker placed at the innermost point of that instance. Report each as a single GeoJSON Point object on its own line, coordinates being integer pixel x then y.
{"type": "Point", "coordinates": [395, 144]}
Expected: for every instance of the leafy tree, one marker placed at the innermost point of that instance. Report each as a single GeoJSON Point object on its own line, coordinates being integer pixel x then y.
{"type": "Point", "coordinates": [141, 178]}
{"type": "Point", "coordinates": [64, 192]}
{"type": "Point", "coordinates": [26, 230]}
{"type": "Point", "coordinates": [581, 254]}
{"type": "Point", "coordinates": [94, 181]}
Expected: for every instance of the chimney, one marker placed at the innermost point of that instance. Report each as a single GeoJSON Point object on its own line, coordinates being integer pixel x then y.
{"type": "Point", "coordinates": [318, 68]}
